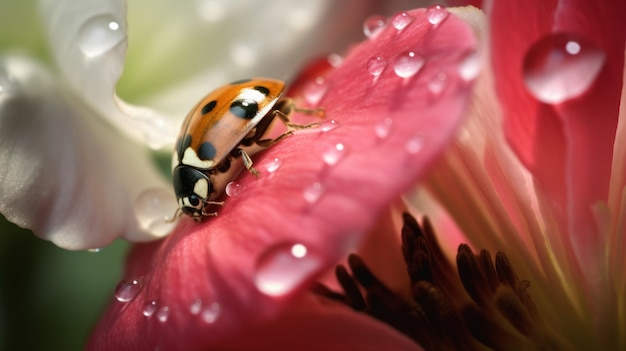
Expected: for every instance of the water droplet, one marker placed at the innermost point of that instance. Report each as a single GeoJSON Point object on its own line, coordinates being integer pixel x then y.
{"type": "Point", "coordinates": [315, 91]}
{"type": "Point", "coordinates": [335, 60]}
{"type": "Point", "coordinates": [284, 266]}
{"type": "Point", "coordinates": [373, 25]}
{"type": "Point", "coordinates": [100, 34]}
{"type": "Point", "coordinates": [149, 308]}
{"type": "Point", "coordinates": [94, 250]}
{"type": "Point", "coordinates": [211, 10]}
{"type": "Point", "coordinates": [408, 64]}
{"type": "Point", "coordinates": [561, 66]}
{"type": "Point", "coordinates": [211, 313]}
{"type": "Point", "coordinates": [328, 125]}
{"type": "Point", "coordinates": [436, 14]}
{"type": "Point", "coordinates": [195, 307]}
{"type": "Point", "coordinates": [127, 289]}
{"type": "Point", "coordinates": [313, 192]}
{"type": "Point", "coordinates": [335, 154]}
{"type": "Point", "coordinates": [383, 128]}
{"type": "Point", "coordinates": [415, 144]}
{"type": "Point", "coordinates": [273, 165]}
{"type": "Point", "coordinates": [163, 313]}
{"type": "Point", "coordinates": [376, 65]}
{"type": "Point", "coordinates": [232, 189]}
{"type": "Point", "coordinates": [437, 84]}
{"type": "Point", "coordinates": [401, 20]}
{"type": "Point", "coordinates": [153, 210]}
{"type": "Point", "coordinates": [470, 66]}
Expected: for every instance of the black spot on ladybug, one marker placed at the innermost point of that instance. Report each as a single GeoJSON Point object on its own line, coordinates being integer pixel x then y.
{"type": "Point", "coordinates": [263, 90]}
{"type": "Point", "coordinates": [209, 107]}
{"type": "Point", "coordinates": [244, 108]}
{"type": "Point", "coordinates": [241, 81]}
{"type": "Point", "coordinates": [206, 151]}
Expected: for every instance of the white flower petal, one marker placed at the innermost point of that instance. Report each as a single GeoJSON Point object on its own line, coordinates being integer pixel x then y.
{"type": "Point", "coordinates": [64, 176]}
{"type": "Point", "coordinates": [88, 41]}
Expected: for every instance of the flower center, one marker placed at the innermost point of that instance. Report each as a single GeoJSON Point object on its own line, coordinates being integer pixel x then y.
{"type": "Point", "coordinates": [478, 303]}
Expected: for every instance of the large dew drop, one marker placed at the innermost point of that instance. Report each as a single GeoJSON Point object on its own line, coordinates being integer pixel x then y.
{"type": "Point", "coordinates": [561, 66]}
{"type": "Point", "coordinates": [283, 267]}
{"type": "Point", "coordinates": [100, 34]}
{"type": "Point", "coordinates": [408, 64]}
{"type": "Point", "coordinates": [127, 289]}
{"type": "Point", "coordinates": [154, 209]}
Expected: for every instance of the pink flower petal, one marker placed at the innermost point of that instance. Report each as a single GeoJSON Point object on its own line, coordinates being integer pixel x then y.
{"type": "Point", "coordinates": [318, 194]}
{"type": "Point", "coordinates": [567, 143]}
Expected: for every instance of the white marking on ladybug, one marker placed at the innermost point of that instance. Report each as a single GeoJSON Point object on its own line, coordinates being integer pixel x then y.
{"type": "Point", "coordinates": [190, 158]}
{"type": "Point", "coordinates": [201, 188]}
{"type": "Point", "coordinates": [174, 159]}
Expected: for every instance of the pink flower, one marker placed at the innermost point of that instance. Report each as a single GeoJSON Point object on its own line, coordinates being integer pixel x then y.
{"type": "Point", "coordinates": [391, 106]}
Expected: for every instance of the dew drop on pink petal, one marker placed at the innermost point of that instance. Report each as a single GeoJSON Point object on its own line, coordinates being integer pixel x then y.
{"type": "Point", "coordinates": [127, 289]}
{"type": "Point", "coordinates": [334, 154]}
{"type": "Point", "coordinates": [232, 189]}
{"type": "Point", "coordinates": [437, 84]}
{"type": "Point", "coordinates": [211, 313]}
{"type": "Point", "coordinates": [561, 66]}
{"type": "Point", "coordinates": [283, 267]}
{"type": "Point", "coordinates": [415, 144]}
{"type": "Point", "coordinates": [273, 165]}
{"type": "Point", "coordinates": [328, 125]}
{"type": "Point", "coordinates": [163, 314]}
{"type": "Point", "coordinates": [408, 64]}
{"type": "Point", "coordinates": [373, 25]}
{"type": "Point", "coordinates": [382, 129]}
{"type": "Point", "coordinates": [313, 192]}
{"type": "Point", "coordinates": [149, 308]}
{"type": "Point", "coordinates": [335, 60]}
{"type": "Point", "coordinates": [195, 307]}
{"type": "Point", "coordinates": [315, 90]}
{"type": "Point", "coordinates": [469, 67]}
{"type": "Point", "coordinates": [401, 20]}
{"type": "Point", "coordinates": [436, 14]}
{"type": "Point", "coordinates": [376, 65]}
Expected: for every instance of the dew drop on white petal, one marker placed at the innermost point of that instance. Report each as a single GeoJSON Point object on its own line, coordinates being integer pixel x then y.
{"type": "Point", "coordinates": [195, 307]}
{"type": "Point", "coordinates": [245, 52]}
{"type": "Point", "coordinates": [211, 313]}
{"type": "Point", "coordinates": [211, 10]}
{"type": "Point", "coordinates": [401, 20]}
{"type": "Point", "coordinates": [328, 125]}
{"type": "Point", "coordinates": [94, 250]}
{"type": "Point", "coordinates": [100, 34]}
{"type": "Point", "coordinates": [284, 266]}
{"type": "Point", "coordinates": [470, 66]}
{"type": "Point", "coordinates": [232, 189]}
{"type": "Point", "coordinates": [376, 65]}
{"type": "Point", "coordinates": [336, 153]}
{"type": "Point", "coordinates": [154, 208]}
{"type": "Point", "coordinates": [314, 91]}
{"type": "Point", "coordinates": [149, 308]}
{"type": "Point", "coordinates": [273, 165]}
{"type": "Point", "coordinates": [127, 289]}
{"type": "Point", "coordinates": [436, 14]}
{"type": "Point", "coordinates": [163, 313]}
{"type": "Point", "coordinates": [414, 145]}
{"type": "Point", "coordinates": [561, 66]}
{"type": "Point", "coordinates": [313, 192]}
{"type": "Point", "coordinates": [373, 25]}
{"type": "Point", "coordinates": [335, 60]}
{"type": "Point", "coordinates": [408, 64]}
{"type": "Point", "coordinates": [382, 129]}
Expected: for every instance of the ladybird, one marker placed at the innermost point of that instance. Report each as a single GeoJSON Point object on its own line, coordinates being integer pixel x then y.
{"type": "Point", "coordinates": [219, 136]}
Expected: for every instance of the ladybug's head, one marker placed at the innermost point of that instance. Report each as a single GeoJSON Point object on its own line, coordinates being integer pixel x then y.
{"type": "Point", "coordinates": [193, 189]}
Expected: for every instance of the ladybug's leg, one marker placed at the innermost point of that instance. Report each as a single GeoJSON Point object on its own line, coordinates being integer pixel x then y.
{"type": "Point", "coordinates": [247, 161]}
{"type": "Point", "coordinates": [284, 108]}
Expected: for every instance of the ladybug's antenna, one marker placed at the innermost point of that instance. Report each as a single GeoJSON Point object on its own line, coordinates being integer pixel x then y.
{"type": "Point", "coordinates": [176, 215]}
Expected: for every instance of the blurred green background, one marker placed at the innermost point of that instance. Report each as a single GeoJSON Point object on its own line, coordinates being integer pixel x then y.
{"type": "Point", "coordinates": [51, 298]}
